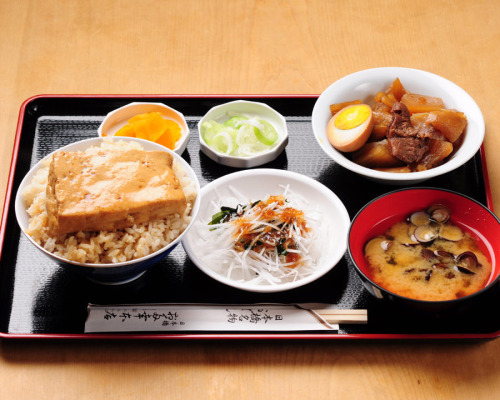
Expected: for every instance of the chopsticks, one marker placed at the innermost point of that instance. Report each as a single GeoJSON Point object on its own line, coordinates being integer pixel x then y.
{"type": "Point", "coordinates": [271, 317]}
{"type": "Point", "coordinates": [339, 316]}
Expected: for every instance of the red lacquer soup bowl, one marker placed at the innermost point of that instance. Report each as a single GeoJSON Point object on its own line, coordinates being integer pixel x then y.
{"type": "Point", "coordinates": [471, 216]}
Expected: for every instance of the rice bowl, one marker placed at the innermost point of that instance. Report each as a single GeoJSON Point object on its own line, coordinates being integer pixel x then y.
{"type": "Point", "coordinates": [105, 253]}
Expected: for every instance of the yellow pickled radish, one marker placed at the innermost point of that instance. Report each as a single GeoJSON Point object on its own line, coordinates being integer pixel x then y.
{"type": "Point", "coordinates": [138, 117]}
{"type": "Point", "coordinates": [149, 128]}
{"type": "Point", "coordinates": [171, 136]}
{"type": "Point", "coordinates": [153, 127]}
{"type": "Point", "coordinates": [126, 130]}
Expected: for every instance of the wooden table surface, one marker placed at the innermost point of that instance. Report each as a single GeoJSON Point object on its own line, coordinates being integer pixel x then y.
{"type": "Point", "coordinates": [244, 47]}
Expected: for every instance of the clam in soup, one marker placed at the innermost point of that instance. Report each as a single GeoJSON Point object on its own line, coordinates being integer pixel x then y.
{"type": "Point", "coordinates": [426, 257]}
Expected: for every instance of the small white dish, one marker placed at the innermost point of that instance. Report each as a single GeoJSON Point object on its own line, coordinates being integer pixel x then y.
{"type": "Point", "coordinates": [220, 114]}
{"type": "Point", "coordinates": [365, 84]}
{"type": "Point", "coordinates": [117, 273]}
{"type": "Point", "coordinates": [116, 119]}
{"type": "Point", "coordinates": [254, 185]}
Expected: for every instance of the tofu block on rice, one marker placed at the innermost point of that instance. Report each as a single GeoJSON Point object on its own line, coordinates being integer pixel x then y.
{"type": "Point", "coordinates": [107, 190]}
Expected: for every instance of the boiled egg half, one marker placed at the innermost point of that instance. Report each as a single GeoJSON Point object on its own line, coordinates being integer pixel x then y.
{"type": "Point", "coordinates": [349, 129]}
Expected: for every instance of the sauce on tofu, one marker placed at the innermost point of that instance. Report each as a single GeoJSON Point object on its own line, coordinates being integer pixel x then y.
{"type": "Point", "coordinates": [108, 190]}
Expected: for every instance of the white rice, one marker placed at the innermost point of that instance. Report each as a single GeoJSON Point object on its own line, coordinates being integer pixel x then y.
{"type": "Point", "coordinates": [105, 246]}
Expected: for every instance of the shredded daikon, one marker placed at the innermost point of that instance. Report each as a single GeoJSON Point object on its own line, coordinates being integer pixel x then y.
{"type": "Point", "coordinates": [267, 241]}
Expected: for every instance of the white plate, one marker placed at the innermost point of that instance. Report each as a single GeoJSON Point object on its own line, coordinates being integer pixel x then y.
{"type": "Point", "coordinates": [255, 185]}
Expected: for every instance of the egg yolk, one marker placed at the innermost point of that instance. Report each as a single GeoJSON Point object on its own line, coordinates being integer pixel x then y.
{"type": "Point", "coordinates": [352, 117]}
{"type": "Point", "coordinates": [349, 129]}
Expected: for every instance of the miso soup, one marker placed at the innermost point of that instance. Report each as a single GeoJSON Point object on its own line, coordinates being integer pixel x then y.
{"type": "Point", "coordinates": [427, 258]}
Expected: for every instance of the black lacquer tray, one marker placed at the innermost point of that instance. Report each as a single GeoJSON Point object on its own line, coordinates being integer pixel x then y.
{"type": "Point", "coordinates": [39, 299]}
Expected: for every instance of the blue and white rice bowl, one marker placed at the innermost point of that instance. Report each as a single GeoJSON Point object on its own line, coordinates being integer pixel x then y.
{"type": "Point", "coordinates": [120, 271]}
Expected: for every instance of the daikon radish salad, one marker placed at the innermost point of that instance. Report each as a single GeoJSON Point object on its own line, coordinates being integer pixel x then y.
{"type": "Point", "coordinates": [267, 230]}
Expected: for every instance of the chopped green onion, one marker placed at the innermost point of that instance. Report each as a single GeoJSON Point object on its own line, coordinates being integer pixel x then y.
{"type": "Point", "coordinates": [240, 136]}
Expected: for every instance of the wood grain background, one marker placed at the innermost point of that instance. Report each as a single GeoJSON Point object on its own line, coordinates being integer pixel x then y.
{"type": "Point", "coordinates": [244, 47]}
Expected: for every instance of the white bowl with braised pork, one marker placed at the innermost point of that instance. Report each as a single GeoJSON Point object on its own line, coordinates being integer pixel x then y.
{"type": "Point", "coordinates": [267, 230]}
{"type": "Point", "coordinates": [397, 125]}
{"type": "Point", "coordinates": [109, 208]}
